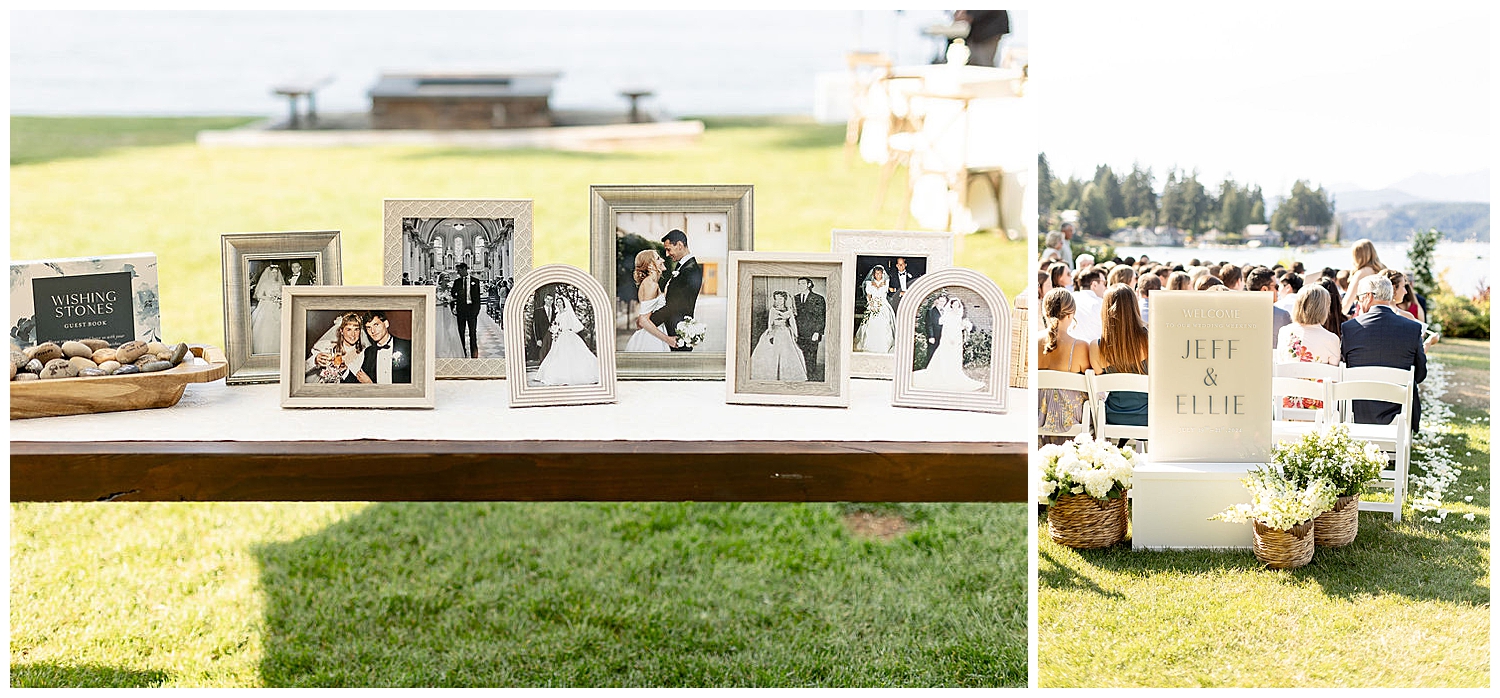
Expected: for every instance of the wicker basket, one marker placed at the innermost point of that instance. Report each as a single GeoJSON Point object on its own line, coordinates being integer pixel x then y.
{"type": "Point", "coordinates": [1338, 527]}
{"type": "Point", "coordinates": [1284, 550]}
{"type": "Point", "coordinates": [1080, 521]}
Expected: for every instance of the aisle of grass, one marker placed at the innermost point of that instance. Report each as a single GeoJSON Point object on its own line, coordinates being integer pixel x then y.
{"type": "Point", "coordinates": [486, 594]}
{"type": "Point", "coordinates": [1406, 604]}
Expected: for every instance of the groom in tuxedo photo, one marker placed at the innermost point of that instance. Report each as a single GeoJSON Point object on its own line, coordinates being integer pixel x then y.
{"type": "Point", "coordinates": [682, 285]}
{"type": "Point", "coordinates": [388, 358]}
{"type": "Point", "coordinates": [468, 298]}
{"type": "Point", "coordinates": [812, 315]}
{"type": "Point", "coordinates": [298, 277]}
{"type": "Point", "coordinates": [935, 324]}
{"type": "Point", "coordinates": [541, 328]}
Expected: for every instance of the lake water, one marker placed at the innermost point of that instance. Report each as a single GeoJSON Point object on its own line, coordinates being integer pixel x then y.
{"type": "Point", "coordinates": [1463, 264]}
{"type": "Point", "coordinates": [173, 63]}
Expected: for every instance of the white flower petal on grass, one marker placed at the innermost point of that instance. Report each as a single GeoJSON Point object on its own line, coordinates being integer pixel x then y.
{"type": "Point", "coordinates": [1468, 517]}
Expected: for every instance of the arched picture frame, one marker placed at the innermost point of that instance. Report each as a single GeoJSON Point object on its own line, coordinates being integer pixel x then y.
{"type": "Point", "coordinates": [937, 369]}
{"type": "Point", "coordinates": [562, 356]}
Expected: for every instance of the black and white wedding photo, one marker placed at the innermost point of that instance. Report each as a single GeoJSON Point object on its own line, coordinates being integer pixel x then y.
{"type": "Point", "coordinates": [267, 277]}
{"type": "Point", "coordinates": [884, 280]}
{"type": "Point", "coordinates": [667, 278]}
{"type": "Point", "coordinates": [561, 337]}
{"type": "Point", "coordinates": [470, 262]}
{"type": "Point", "coordinates": [789, 329]}
{"type": "Point", "coordinates": [953, 342]}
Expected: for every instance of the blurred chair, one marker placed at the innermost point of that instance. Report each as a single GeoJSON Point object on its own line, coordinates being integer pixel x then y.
{"type": "Point", "coordinates": [866, 69]}
{"type": "Point", "coordinates": [1020, 344]}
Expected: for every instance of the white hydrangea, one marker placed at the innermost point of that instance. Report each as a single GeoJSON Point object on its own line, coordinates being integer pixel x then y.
{"type": "Point", "coordinates": [1084, 466]}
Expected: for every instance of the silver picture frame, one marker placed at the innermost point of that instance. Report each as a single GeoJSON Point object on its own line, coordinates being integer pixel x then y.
{"type": "Point", "coordinates": [239, 253]}
{"type": "Point", "coordinates": [936, 248]}
{"type": "Point", "coordinates": [514, 265]}
{"type": "Point", "coordinates": [993, 396]}
{"type": "Point", "coordinates": [518, 318]}
{"type": "Point", "coordinates": [736, 202]}
{"type": "Point", "coordinates": [299, 302]}
{"type": "Point", "coordinates": [773, 269]}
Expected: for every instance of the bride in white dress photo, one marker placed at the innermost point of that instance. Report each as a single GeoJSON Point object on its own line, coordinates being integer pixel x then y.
{"type": "Point", "coordinates": [776, 356]}
{"type": "Point", "coordinates": [945, 370]}
{"type": "Point", "coordinates": [569, 361]}
{"type": "Point", "coordinates": [877, 334]}
{"type": "Point", "coordinates": [265, 319]}
{"type": "Point", "coordinates": [651, 337]}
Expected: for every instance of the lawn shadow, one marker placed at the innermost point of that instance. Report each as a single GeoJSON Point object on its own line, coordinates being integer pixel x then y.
{"type": "Point", "coordinates": [1065, 578]}
{"type": "Point", "coordinates": [1407, 559]}
{"type": "Point", "coordinates": [50, 675]}
{"type": "Point", "coordinates": [539, 594]}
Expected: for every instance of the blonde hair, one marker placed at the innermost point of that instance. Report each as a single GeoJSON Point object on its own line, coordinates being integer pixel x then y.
{"type": "Point", "coordinates": [344, 321]}
{"type": "Point", "coordinates": [1312, 305]}
{"type": "Point", "coordinates": [1364, 256]}
{"type": "Point", "coordinates": [1057, 305]}
{"type": "Point", "coordinates": [643, 265]}
{"type": "Point", "coordinates": [1124, 341]}
{"type": "Point", "coordinates": [1179, 281]}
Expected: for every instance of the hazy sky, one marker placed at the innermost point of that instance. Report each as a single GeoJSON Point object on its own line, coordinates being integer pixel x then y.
{"type": "Point", "coordinates": [1269, 93]}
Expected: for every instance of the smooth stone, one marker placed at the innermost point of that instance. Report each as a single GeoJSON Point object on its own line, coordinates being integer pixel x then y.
{"type": "Point", "coordinates": [128, 352]}
{"type": "Point", "coordinates": [25, 377]}
{"type": "Point", "coordinates": [148, 358]}
{"type": "Point", "coordinates": [127, 369]}
{"type": "Point", "coordinates": [71, 349]}
{"type": "Point", "coordinates": [155, 347]}
{"type": "Point", "coordinates": [59, 368]}
{"type": "Point", "coordinates": [91, 373]}
{"type": "Point", "coordinates": [46, 352]}
{"type": "Point", "coordinates": [156, 366]}
{"type": "Point", "coordinates": [95, 344]}
{"type": "Point", "coordinates": [109, 366]}
{"type": "Point", "coordinates": [179, 353]}
{"type": "Point", "coordinates": [18, 359]}
{"type": "Point", "coordinates": [12, 372]}
{"type": "Point", "coordinates": [33, 366]}
{"type": "Point", "coordinates": [102, 355]}
{"type": "Point", "coordinates": [79, 363]}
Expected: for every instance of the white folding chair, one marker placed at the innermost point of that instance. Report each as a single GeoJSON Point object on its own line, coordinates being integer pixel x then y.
{"type": "Point", "coordinates": [1062, 380]}
{"type": "Point", "coordinates": [1290, 429]}
{"type": "Point", "coordinates": [1309, 372]}
{"type": "Point", "coordinates": [1105, 383]}
{"type": "Point", "coordinates": [1393, 438]}
{"type": "Point", "coordinates": [1383, 374]}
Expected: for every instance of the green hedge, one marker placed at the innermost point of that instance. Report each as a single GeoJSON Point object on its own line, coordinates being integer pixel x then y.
{"type": "Point", "coordinates": [1460, 316]}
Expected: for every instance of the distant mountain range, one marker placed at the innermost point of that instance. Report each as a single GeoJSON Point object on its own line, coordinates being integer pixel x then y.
{"type": "Point", "coordinates": [1458, 205]}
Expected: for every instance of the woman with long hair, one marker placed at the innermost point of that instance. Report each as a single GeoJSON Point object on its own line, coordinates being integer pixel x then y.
{"type": "Point", "coordinates": [1062, 276]}
{"type": "Point", "coordinates": [1179, 281]}
{"type": "Point", "coordinates": [1121, 348]}
{"type": "Point", "coordinates": [1366, 262]}
{"type": "Point", "coordinates": [1335, 321]}
{"type": "Point", "coordinates": [1056, 350]}
{"type": "Point", "coordinates": [649, 337]}
{"type": "Point", "coordinates": [1402, 299]}
{"type": "Point", "coordinates": [338, 358]}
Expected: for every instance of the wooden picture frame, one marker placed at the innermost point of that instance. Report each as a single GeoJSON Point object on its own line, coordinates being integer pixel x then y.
{"type": "Point", "coordinates": [306, 308]}
{"type": "Point", "coordinates": [447, 228]}
{"type": "Point", "coordinates": [724, 212]}
{"type": "Point", "coordinates": [524, 326]}
{"type": "Point", "coordinates": [243, 256]}
{"type": "Point", "coordinates": [757, 365]}
{"type": "Point", "coordinates": [921, 388]}
{"type": "Point", "coordinates": [933, 249]}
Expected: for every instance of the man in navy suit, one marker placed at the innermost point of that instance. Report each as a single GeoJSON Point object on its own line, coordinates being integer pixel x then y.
{"type": "Point", "coordinates": [1380, 337]}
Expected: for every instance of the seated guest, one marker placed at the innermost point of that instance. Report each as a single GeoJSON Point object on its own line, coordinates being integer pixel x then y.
{"type": "Point", "coordinates": [1335, 321]}
{"type": "Point", "coordinates": [1286, 291]}
{"type": "Point", "coordinates": [1378, 336]}
{"type": "Point", "coordinates": [1179, 281]}
{"type": "Point", "coordinates": [1085, 261]}
{"type": "Point", "coordinates": [1306, 340]}
{"type": "Point", "coordinates": [1401, 296]}
{"type": "Point", "coordinates": [1341, 278]}
{"type": "Point", "coordinates": [1061, 275]}
{"type": "Point", "coordinates": [1121, 349]}
{"type": "Point", "coordinates": [1057, 350]}
{"type": "Point", "coordinates": [1123, 274]}
{"type": "Point", "coordinates": [1090, 300]}
{"type": "Point", "coordinates": [1208, 282]}
{"type": "Point", "coordinates": [1231, 276]}
{"type": "Point", "coordinates": [1143, 287]}
{"type": "Point", "coordinates": [1261, 279]}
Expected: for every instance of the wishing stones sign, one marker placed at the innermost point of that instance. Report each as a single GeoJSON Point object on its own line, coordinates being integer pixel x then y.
{"type": "Point", "coordinates": [1210, 377]}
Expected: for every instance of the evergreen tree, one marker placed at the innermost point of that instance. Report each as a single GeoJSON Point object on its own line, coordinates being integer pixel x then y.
{"type": "Point", "coordinates": [1257, 206]}
{"type": "Point", "coordinates": [1043, 191]}
{"type": "Point", "coordinates": [1105, 178]}
{"type": "Point", "coordinates": [1093, 212]}
{"type": "Point", "coordinates": [1139, 194]}
{"type": "Point", "coordinates": [1234, 207]}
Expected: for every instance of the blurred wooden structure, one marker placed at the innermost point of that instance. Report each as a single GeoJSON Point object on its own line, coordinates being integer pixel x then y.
{"type": "Point", "coordinates": [462, 101]}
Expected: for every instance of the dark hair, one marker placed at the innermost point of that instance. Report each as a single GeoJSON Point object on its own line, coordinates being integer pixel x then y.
{"type": "Point", "coordinates": [375, 314]}
{"type": "Point", "coordinates": [462, 266]}
{"type": "Point", "coordinates": [675, 235]}
{"type": "Point", "coordinates": [1297, 268]}
{"type": "Point", "coordinates": [1293, 280]}
{"type": "Point", "coordinates": [1229, 274]}
{"type": "Point", "coordinates": [1087, 277]}
{"type": "Point", "coordinates": [1146, 284]}
{"type": "Point", "coordinates": [1259, 279]}
{"type": "Point", "coordinates": [1335, 321]}
{"type": "Point", "coordinates": [1055, 272]}
{"type": "Point", "coordinates": [809, 281]}
{"type": "Point", "coordinates": [1208, 281]}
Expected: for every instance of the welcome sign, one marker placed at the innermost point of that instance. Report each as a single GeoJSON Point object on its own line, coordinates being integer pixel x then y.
{"type": "Point", "coordinates": [1210, 369]}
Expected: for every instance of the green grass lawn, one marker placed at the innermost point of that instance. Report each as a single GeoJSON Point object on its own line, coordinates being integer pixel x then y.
{"type": "Point", "coordinates": [323, 594]}
{"type": "Point", "coordinates": [1406, 604]}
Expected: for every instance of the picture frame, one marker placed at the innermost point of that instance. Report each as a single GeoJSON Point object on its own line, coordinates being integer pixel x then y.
{"type": "Point", "coordinates": [314, 317]}
{"type": "Point", "coordinates": [718, 219]}
{"type": "Point", "coordinates": [245, 257]}
{"type": "Point", "coordinates": [771, 304]}
{"type": "Point", "coordinates": [568, 360]}
{"type": "Point", "coordinates": [926, 251]}
{"type": "Point", "coordinates": [945, 385]}
{"type": "Point", "coordinates": [427, 239]}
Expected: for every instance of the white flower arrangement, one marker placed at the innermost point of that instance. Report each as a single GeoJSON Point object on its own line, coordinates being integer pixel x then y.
{"type": "Point", "coordinates": [1330, 453]}
{"type": "Point", "coordinates": [1279, 503]}
{"type": "Point", "coordinates": [690, 332]}
{"type": "Point", "coordinates": [1086, 467]}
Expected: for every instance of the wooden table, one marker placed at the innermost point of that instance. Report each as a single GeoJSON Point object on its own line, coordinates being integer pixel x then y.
{"type": "Point", "coordinates": [663, 441]}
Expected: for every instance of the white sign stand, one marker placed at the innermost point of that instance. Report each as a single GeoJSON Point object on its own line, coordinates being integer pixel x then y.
{"type": "Point", "coordinates": [1210, 416]}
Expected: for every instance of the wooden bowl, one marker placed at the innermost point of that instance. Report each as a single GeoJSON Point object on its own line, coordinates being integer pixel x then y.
{"type": "Point", "coordinates": [137, 391]}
